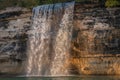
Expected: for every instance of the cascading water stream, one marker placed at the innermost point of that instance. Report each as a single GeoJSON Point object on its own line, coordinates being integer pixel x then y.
{"type": "Point", "coordinates": [49, 39]}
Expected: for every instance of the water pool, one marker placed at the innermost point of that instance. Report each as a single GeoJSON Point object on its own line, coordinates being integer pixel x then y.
{"type": "Point", "coordinates": [64, 78]}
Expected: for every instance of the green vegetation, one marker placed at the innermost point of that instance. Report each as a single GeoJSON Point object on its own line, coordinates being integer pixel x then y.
{"type": "Point", "coordinates": [21, 3]}
{"type": "Point", "coordinates": [112, 3]}
{"type": "Point", "coordinates": [31, 3]}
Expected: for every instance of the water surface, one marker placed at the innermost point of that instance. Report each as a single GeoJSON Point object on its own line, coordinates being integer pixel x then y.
{"type": "Point", "coordinates": [65, 78]}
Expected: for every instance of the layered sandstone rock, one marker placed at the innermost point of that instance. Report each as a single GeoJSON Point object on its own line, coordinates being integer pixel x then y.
{"type": "Point", "coordinates": [96, 40]}
{"type": "Point", "coordinates": [14, 24]}
{"type": "Point", "coordinates": [95, 45]}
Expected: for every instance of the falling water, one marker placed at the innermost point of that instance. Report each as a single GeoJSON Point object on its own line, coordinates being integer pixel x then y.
{"type": "Point", "coordinates": [49, 39]}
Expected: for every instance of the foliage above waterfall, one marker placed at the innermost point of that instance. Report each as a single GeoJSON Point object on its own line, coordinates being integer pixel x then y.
{"type": "Point", "coordinates": [32, 3]}
{"type": "Point", "coordinates": [20, 3]}
{"type": "Point", "coordinates": [112, 3]}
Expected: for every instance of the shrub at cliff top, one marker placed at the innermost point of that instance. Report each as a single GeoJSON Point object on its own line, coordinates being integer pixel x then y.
{"type": "Point", "coordinates": [20, 3]}
{"type": "Point", "coordinates": [112, 3]}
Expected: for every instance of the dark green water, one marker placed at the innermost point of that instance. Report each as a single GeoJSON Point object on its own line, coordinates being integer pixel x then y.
{"type": "Point", "coordinates": [64, 78]}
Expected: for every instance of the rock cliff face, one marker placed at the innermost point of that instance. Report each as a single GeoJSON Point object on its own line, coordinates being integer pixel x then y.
{"type": "Point", "coordinates": [95, 46]}
{"type": "Point", "coordinates": [14, 24]}
{"type": "Point", "coordinates": [96, 40]}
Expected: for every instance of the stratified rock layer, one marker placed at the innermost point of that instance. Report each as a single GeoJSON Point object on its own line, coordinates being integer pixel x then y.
{"type": "Point", "coordinates": [96, 40]}
{"type": "Point", "coordinates": [95, 45]}
{"type": "Point", "coordinates": [14, 24]}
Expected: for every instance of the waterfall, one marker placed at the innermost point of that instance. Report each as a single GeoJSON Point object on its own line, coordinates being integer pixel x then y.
{"type": "Point", "coordinates": [49, 40]}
